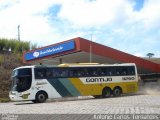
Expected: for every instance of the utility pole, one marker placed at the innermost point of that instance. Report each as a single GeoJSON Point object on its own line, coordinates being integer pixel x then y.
{"type": "Point", "coordinates": [90, 58]}
{"type": "Point", "coordinates": [18, 32]}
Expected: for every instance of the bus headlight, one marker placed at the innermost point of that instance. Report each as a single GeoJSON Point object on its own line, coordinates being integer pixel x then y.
{"type": "Point", "coordinates": [13, 93]}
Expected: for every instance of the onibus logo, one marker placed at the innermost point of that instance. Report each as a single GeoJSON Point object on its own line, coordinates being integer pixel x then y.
{"type": "Point", "coordinates": [36, 54]}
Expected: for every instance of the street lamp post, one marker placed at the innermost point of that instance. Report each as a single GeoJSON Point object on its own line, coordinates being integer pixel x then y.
{"type": "Point", "coordinates": [18, 32]}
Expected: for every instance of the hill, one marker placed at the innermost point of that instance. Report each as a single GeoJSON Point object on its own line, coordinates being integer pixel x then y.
{"type": "Point", "coordinates": [10, 58]}
{"type": "Point", "coordinates": [8, 61]}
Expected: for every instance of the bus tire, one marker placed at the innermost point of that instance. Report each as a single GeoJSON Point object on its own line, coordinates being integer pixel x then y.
{"type": "Point", "coordinates": [106, 92]}
{"type": "Point", "coordinates": [117, 91]}
{"type": "Point", "coordinates": [41, 97]}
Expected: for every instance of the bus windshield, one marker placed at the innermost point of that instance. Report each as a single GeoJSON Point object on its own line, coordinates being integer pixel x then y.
{"type": "Point", "coordinates": [21, 79]}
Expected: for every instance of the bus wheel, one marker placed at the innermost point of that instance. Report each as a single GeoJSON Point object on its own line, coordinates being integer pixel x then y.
{"type": "Point", "coordinates": [41, 97]}
{"type": "Point", "coordinates": [106, 92]}
{"type": "Point", "coordinates": [117, 91]}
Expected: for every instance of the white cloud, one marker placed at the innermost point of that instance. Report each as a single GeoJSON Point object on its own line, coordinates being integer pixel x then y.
{"type": "Point", "coordinates": [138, 54]}
{"type": "Point", "coordinates": [114, 23]}
{"type": "Point", "coordinates": [83, 13]}
{"type": "Point", "coordinates": [34, 25]}
{"type": "Point", "coordinates": [149, 15]}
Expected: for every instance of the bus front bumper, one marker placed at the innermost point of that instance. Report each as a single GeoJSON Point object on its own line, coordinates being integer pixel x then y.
{"type": "Point", "coordinates": [14, 96]}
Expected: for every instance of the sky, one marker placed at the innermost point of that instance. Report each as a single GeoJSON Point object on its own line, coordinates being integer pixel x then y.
{"type": "Point", "coordinates": [131, 26]}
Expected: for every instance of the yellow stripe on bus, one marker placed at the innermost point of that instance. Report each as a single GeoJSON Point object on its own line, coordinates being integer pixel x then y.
{"type": "Point", "coordinates": [96, 89]}
{"type": "Point", "coordinates": [86, 89]}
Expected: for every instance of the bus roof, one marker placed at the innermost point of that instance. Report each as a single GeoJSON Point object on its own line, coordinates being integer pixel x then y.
{"type": "Point", "coordinates": [94, 64]}
{"type": "Point", "coordinates": [76, 65]}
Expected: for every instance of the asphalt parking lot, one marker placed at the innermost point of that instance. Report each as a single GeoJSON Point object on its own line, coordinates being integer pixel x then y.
{"type": "Point", "coordinates": [86, 107]}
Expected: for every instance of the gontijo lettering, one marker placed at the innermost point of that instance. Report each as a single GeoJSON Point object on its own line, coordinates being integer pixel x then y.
{"type": "Point", "coordinates": [98, 79]}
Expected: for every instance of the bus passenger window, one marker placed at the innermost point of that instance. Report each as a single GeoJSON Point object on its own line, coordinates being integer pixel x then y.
{"type": "Point", "coordinates": [64, 73]}
{"type": "Point", "coordinates": [70, 73]}
{"type": "Point", "coordinates": [117, 73]}
{"type": "Point", "coordinates": [48, 73]}
{"type": "Point", "coordinates": [124, 73]}
{"type": "Point", "coordinates": [108, 72]}
{"type": "Point", "coordinates": [131, 71]}
{"type": "Point", "coordinates": [86, 73]}
{"type": "Point", "coordinates": [40, 74]}
{"type": "Point", "coordinates": [57, 73]}
{"type": "Point", "coordinates": [80, 73]}
{"type": "Point", "coordinates": [95, 73]}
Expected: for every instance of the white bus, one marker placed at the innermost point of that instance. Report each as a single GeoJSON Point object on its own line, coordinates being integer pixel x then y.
{"type": "Point", "coordinates": [38, 83]}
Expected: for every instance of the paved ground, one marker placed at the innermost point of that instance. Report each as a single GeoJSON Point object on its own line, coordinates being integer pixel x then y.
{"type": "Point", "coordinates": [126, 104]}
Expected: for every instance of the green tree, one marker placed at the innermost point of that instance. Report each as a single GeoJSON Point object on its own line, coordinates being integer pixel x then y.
{"type": "Point", "coordinates": [2, 44]}
{"type": "Point", "coordinates": [150, 55]}
{"type": "Point", "coordinates": [15, 46]}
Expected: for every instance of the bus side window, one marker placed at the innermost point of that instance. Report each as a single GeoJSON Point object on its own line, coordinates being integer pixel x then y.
{"type": "Point", "coordinates": [80, 72]}
{"type": "Point", "coordinates": [131, 70]}
{"type": "Point", "coordinates": [86, 72]}
{"type": "Point", "coordinates": [118, 71]}
{"type": "Point", "coordinates": [71, 73]}
{"type": "Point", "coordinates": [95, 73]}
{"type": "Point", "coordinates": [102, 71]}
{"type": "Point", "coordinates": [59, 73]}
{"type": "Point", "coordinates": [124, 72]}
{"type": "Point", "coordinates": [48, 73]}
{"type": "Point", "coordinates": [39, 73]}
{"type": "Point", "coordinates": [64, 73]}
{"type": "Point", "coordinates": [108, 71]}
{"type": "Point", "coordinates": [92, 72]}
{"type": "Point", "coordinates": [55, 73]}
